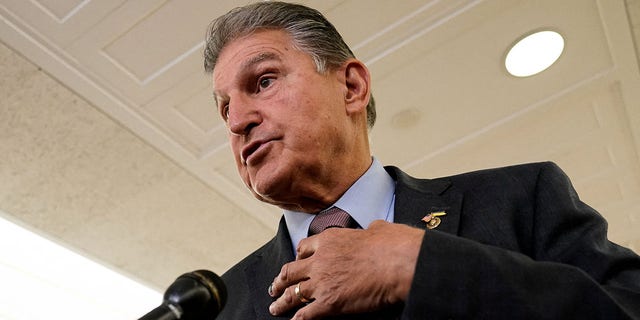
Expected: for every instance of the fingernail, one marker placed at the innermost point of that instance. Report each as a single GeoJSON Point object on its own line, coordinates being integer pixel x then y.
{"type": "Point", "coordinates": [270, 290]}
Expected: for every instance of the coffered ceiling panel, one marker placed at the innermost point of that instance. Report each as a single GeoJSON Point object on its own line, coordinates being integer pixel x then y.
{"type": "Point", "coordinates": [57, 23]}
{"type": "Point", "coordinates": [394, 25]}
{"type": "Point", "coordinates": [142, 49]}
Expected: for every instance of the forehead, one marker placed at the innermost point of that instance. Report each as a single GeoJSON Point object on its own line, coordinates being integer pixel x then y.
{"type": "Point", "coordinates": [247, 51]}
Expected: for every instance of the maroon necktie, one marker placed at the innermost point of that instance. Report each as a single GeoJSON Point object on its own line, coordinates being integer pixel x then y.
{"type": "Point", "coordinates": [333, 217]}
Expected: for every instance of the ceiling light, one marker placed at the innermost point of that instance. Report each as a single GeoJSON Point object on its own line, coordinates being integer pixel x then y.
{"type": "Point", "coordinates": [534, 53]}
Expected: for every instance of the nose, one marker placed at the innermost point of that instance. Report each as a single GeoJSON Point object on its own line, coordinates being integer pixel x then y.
{"type": "Point", "coordinates": [243, 116]}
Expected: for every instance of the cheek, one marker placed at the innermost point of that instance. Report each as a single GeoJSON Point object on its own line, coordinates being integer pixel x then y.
{"type": "Point", "coordinates": [236, 149]}
{"type": "Point", "coordinates": [235, 145]}
{"type": "Point", "coordinates": [243, 172]}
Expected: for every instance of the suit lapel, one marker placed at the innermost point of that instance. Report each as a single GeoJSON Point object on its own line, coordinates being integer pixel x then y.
{"type": "Point", "coordinates": [416, 198]}
{"type": "Point", "coordinates": [264, 267]}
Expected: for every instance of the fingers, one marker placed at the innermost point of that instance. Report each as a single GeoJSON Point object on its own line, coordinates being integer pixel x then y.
{"type": "Point", "coordinates": [300, 295]}
{"type": "Point", "coordinates": [306, 247]}
{"type": "Point", "coordinates": [291, 286]}
{"type": "Point", "coordinates": [315, 282]}
{"type": "Point", "coordinates": [296, 271]}
{"type": "Point", "coordinates": [290, 274]}
{"type": "Point", "coordinates": [288, 284]}
{"type": "Point", "coordinates": [293, 297]}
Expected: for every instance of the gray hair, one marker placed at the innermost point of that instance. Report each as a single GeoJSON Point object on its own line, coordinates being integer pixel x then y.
{"type": "Point", "coordinates": [311, 32]}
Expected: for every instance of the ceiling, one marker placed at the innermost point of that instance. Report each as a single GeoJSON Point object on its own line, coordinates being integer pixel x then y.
{"type": "Point", "coordinates": [445, 102]}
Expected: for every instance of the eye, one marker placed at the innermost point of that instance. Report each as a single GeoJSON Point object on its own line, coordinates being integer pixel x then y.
{"type": "Point", "coordinates": [224, 111]}
{"type": "Point", "coordinates": [265, 82]}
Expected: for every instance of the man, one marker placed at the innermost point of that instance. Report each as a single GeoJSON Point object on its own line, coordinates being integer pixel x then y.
{"type": "Point", "coordinates": [509, 243]}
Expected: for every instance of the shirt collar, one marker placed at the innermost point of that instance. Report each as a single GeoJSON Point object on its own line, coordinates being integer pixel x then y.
{"type": "Point", "coordinates": [370, 198]}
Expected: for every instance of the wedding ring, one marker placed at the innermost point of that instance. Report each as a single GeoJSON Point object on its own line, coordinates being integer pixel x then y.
{"type": "Point", "coordinates": [298, 293]}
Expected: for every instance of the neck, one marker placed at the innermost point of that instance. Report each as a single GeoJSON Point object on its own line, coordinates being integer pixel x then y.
{"type": "Point", "coordinates": [326, 192]}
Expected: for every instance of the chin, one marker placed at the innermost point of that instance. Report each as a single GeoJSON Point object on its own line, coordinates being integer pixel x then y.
{"type": "Point", "coordinates": [269, 182]}
{"type": "Point", "coordinates": [265, 198]}
{"type": "Point", "coordinates": [268, 190]}
{"type": "Point", "coordinates": [263, 193]}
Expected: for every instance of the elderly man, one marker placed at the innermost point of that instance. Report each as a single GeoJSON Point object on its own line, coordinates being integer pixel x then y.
{"type": "Point", "coordinates": [510, 243]}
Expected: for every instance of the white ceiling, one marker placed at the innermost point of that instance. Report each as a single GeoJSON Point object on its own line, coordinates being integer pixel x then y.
{"type": "Point", "coordinates": [445, 101]}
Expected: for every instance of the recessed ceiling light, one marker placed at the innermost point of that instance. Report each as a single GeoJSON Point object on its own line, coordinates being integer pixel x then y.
{"type": "Point", "coordinates": [534, 53]}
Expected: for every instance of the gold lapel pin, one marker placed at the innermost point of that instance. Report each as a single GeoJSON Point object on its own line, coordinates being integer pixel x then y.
{"type": "Point", "coordinates": [433, 219]}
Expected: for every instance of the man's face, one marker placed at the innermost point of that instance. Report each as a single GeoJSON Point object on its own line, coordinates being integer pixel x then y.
{"type": "Point", "coordinates": [287, 123]}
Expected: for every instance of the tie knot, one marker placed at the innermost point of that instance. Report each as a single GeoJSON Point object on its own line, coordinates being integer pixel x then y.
{"type": "Point", "coordinates": [333, 217]}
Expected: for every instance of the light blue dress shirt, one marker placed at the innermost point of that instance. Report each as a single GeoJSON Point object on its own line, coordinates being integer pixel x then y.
{"type": "Point", "coordinates": [370, 198]}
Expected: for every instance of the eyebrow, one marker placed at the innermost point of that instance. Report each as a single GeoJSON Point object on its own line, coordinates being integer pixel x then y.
{"type": "Point", "coordinates": [264, 56]}
{"type": "Point", "coordinates": [250, 63]}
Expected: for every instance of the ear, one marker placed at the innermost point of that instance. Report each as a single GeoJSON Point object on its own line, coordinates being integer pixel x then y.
{"type": "Point", "coordinates": [358, 82]}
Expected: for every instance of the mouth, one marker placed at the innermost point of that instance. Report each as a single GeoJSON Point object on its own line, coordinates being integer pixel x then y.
{"type": "Point", "coordinates": [251, 149]}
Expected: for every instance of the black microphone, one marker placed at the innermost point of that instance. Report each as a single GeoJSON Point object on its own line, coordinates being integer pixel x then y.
{"type": "Point", "coordinates": [197, 295]}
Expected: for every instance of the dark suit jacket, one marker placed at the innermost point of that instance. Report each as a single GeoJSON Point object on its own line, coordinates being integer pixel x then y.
{"type": "Point", "coordinates": [516, 243]}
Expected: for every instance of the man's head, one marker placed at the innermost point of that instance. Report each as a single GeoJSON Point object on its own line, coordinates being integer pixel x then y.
{"type": "Point", "coordinates": [297, 120]}
{"type": "Point", "coordinates": [311, 32]}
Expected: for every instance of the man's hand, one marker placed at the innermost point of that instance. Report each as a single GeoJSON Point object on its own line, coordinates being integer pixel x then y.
{"type": "Point", "coordinates": [347, 271]}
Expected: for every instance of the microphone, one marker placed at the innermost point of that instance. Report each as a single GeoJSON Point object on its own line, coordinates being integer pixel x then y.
{"type": "Point", "coordinates": [197, 295]}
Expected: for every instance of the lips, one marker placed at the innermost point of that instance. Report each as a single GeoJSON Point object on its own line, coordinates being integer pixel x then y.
{"type": "Point", "coordinates": [251, 148]}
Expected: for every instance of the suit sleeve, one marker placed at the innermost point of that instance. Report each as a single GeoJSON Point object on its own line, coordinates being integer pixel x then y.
{"type": "Point", "coordinates": [570, 270]}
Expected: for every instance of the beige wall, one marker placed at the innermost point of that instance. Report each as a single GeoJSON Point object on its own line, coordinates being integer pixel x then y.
{"type": "Point", "coordinates": [70, 170]}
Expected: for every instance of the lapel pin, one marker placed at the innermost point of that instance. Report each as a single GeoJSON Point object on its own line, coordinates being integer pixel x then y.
{"type": "Point", "coordinates": [433, 219]}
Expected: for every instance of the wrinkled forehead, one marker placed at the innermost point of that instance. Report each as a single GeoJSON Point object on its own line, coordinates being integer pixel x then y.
{"type": "Point", "coordinates": [252, 46]}
{"type": "Point", "coordinates": [241, 36]}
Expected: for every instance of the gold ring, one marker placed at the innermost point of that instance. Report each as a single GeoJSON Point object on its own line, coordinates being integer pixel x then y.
{"type": "Point", "coordinates": [299, 294]}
